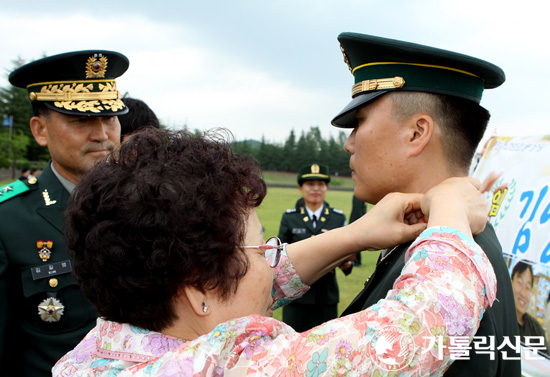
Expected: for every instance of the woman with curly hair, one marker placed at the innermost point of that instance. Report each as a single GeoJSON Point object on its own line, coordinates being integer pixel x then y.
{"type": "Point", "coordinates": [169, 249]}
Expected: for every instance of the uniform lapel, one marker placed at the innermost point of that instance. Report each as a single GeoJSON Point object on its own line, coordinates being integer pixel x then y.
{"type": "Point", "coordinates": [304, 215]}
{"type": "Point", "coordinates": [54, 198]}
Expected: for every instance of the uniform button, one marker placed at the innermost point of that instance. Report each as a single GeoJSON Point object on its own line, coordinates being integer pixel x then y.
{"type": "Point", "coordinates": [53, 282]}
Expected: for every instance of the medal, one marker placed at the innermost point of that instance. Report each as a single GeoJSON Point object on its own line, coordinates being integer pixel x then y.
{"type": "Point", "coordinates": [44, 249]}
{"type": "Point", "coordinates": [50, 310]}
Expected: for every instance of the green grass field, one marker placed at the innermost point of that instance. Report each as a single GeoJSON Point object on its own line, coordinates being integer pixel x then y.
{"type": "Point", "coordinates": [280, 199]}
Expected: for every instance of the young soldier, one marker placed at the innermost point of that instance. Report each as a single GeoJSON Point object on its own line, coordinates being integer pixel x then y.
{"type": "Point", "coordinates": [417, 121]}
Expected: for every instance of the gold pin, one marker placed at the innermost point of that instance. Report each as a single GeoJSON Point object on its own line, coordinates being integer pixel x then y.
{"type": "Point", "coordinates": [53, 282]}
{"type": "Point", "coordinates": [306, 219]}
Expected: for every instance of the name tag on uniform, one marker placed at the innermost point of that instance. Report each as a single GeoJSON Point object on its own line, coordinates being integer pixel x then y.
{"type": "Point", "coordinates": [298, 230]}
{"type": "Point", "coordinates": [52, 269]}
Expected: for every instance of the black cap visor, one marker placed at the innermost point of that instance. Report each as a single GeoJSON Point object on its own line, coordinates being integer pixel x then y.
{"type": "Point", "coordinates": [347, 117]}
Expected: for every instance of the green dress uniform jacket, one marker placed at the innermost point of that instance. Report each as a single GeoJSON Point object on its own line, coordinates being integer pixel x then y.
{"type": "Point", "coordinates": [29, 345]}
{"type": "Point", "coordinates": [498, 321]}
{"type": "Point", "coordinates": [296, 226]}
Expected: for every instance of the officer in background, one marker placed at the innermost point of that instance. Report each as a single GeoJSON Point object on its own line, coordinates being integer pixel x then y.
{"type": "Point", "coordinates": [310, 217]}
{"type": "Point", "coordinates": [43, 313]}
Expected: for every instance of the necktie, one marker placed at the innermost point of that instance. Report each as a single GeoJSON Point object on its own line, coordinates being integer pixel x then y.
{"type": "Point", "coordinates": [314, 218]}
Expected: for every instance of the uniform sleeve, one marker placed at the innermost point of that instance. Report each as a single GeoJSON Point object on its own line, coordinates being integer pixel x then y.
{"type": "Point", "coordinates": [285, 231]}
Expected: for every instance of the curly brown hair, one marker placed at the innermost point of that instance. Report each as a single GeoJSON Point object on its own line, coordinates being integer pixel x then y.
{"type": "Point", "coordinates": [165, 211]}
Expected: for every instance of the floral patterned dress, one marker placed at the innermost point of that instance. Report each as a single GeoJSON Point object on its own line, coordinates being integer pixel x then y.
{"type": "Point", "coordinates": [442, 292]}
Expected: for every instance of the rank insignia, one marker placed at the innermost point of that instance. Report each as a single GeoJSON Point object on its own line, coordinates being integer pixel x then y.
{"type": "Point", "coordinates": [6, 189]}
{"type": "Point", "coordinates": [44, 249]}
{"type": "Point", "coordinates": [50, 310]}
{"type": "Point", "coordinates": [47, 199]}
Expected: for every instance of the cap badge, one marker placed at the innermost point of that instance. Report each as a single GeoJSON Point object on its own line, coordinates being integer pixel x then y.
{"type": "Point", "coordinates": [96, 66]}
{"type": "Point", "coordinates": [50, 310]}
{"type": "Point", "coordinates": [44, 249]}
{"type": "Point", "coordinates": [47, 199]}
{"type": "Point", "coordinates": [346, 60]}
{"type": "Point", "coordinates": [315, 169]}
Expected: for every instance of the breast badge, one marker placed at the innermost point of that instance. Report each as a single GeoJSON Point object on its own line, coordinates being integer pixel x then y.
{"type": "Point", "coordinates": [44, 249]}
{"type": "Point", "coordinates": [50, 310]}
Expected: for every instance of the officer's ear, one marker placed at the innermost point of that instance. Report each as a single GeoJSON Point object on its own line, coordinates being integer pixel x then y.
{"type": "Point", "coordinates": [39, 130]}
{"type": "Point", "coordinates": [420, 130]}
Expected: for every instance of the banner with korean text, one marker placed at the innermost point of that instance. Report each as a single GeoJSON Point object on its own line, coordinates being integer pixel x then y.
{"type": "Point", "coordinates": [519, 210]}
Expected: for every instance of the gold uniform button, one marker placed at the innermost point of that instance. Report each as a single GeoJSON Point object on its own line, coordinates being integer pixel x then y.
{"type": "Point", "coordinates": [53, 282]}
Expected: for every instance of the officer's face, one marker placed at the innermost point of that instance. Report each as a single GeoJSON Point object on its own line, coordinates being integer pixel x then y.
{"type": "Point", "coordinates": [76, 143]}
{"type": "Point", "coordinates": [376, 148]}
{"type": "Point", "coordinates": [314, 193]}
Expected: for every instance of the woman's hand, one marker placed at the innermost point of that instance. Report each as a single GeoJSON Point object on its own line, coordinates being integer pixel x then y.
{"type": "Point", "coordinates": [396, 219]}
{"type": "Point", "coordinates": [457, 203]}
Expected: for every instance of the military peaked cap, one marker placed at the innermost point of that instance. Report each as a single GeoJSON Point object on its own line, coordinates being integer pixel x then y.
{"type": "Point", "coordinates": [380, 65]}
{"type": "Point", "coordinates": [313, 172]}
{"type": "Point", "coordinates": [75, 83]}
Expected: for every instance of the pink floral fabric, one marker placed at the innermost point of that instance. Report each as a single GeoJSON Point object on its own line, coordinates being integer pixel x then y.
{"type": "Point", "coordinates": [445, 285]}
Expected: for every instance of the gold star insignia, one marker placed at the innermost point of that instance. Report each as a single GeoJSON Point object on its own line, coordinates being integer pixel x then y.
{"type": "Point", "coordinates": [50, 310]}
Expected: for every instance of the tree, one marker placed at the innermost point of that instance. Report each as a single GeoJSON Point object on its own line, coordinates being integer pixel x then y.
{"type": "Point", "coordinates": [14, 102]}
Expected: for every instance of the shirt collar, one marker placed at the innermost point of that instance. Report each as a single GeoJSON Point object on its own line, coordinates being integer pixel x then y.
{"type": "Point", "coordinates": [316, 213]}
{"type": "Point", "coordinates": [69, 186]}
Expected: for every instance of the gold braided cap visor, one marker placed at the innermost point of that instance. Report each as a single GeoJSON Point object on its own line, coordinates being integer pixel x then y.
{"type": "Point", "coordinates": [84, 96]}
{"type": "Point", "coordinates": [417, 77]}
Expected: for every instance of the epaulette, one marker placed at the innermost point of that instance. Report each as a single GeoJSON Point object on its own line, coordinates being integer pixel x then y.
{"type": "Point", "coordinates": [337, 211]}
{"type": "Point", "coordinates": [12, 189]}
{"type": "Point", "coordinates": [291, 210]}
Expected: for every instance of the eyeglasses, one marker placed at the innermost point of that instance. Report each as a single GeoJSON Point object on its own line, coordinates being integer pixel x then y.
{"type": "Point", "coordinates": [272, 249]}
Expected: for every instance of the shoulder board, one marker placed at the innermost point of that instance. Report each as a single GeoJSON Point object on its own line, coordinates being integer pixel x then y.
{"type": "Point", "coordinates": [291, 210]}
{"type": "Point", "coordinates": [337, 211]}
{"type": "Point", "coordinates": [12, 190]}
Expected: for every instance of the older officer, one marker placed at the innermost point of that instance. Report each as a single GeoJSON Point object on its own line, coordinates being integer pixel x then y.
{"type": "Point", "coordinates": [75, 103]}
{"type": "Point", "coordinates": [312, 216]}
{"type": "Point", "coordinates": [417, 121]}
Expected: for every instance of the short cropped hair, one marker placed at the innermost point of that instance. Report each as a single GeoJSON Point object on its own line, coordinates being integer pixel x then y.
{"type": "Point", "coordinates": [520, 267]}
{"type": "Point", "coordinates": [40, 109]}
{"type": "Point", "coordinates": [167, 210]}
{"type": "Point", "coordinates": [139, 116]}
{"type": "Point", "coordinates": [463, 122]}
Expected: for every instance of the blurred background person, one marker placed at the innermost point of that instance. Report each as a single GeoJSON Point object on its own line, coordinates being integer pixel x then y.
{"type": "Point", "coordinates": [139, 116]}
{"type": "Point", "coordinates": [311, 216]}
{"type": "Point", "coordinates": [24, 174]}
{"type": "Point", "coordinates": [522, 284]}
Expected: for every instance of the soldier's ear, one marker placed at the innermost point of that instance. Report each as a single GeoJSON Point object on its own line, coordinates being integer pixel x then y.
{"type": "Point", "coordinates": [420, 131]}
{"type": "Point", "coordinates": [39, 130]}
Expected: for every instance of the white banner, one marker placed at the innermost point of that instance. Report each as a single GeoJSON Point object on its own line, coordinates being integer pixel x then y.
{"type": "Point", "coordinates": [519, 208]}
